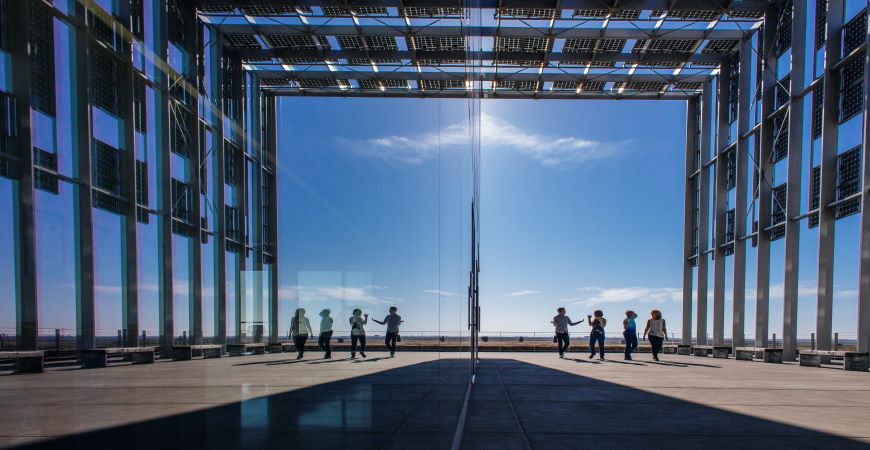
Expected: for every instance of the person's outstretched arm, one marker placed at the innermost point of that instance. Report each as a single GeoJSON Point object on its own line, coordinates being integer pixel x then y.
{"type": "Point", "coordinates": [577, 322]}
{"type": "Point", "coordinates": [308, 325]}
{"type": "Point", "coordinates": [378, 321]}
{"type": "Point", "coordinates": [645, 330]}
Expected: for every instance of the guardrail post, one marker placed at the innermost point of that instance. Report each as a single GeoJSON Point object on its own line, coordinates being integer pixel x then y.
{"type": "Point", "coordinates": [812, 341]}
{"type": "Point", "coordinates": [143, 337]}
{"type": "Point", "coordinates": [836, 341]}
{"type": "Point", "coordinates": [57, 341]}
{"type": "Point", "coordinates": [774, 341]}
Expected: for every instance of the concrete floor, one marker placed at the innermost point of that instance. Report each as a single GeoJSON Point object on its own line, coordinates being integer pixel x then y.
{"type": "Point", "coordinates": [520, 400]}
{"type": "Point", "coordinates": [538, 401]}
{"type": "Point", "coordinates": [267, 401]}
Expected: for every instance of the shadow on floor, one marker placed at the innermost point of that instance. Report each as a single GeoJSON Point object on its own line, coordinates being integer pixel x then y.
{"type": "Point", "coordinates": [416, 406]}
{"type": "Point", "coordinates": [517, 405]}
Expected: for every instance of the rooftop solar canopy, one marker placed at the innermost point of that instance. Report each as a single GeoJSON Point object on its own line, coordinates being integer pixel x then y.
{"type": "Point", "coordinates": [653, 49]}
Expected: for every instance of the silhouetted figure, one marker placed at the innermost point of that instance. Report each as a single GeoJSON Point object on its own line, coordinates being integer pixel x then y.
{"type": "Point", "coordinates": [630, 333]}
{"type": "Point", "coordinates": [392, 321]}
{"type": "Point", "coordinates": [323, 341]}
{"type": "Point", "coordinates": [597, 333]}
{"type": "Point", "coordinates": [300, 328]}
{"type": "Point", "coordinates": [658, 332]}
{"type": "Point", "coordinates": [358, 333]}
{"type": "Point", "coordinates": [561, 322]}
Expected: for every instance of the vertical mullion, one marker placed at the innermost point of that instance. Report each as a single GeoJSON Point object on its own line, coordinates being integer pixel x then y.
{"type": "Point", "coordinates": [238, 122]}
{"type": "Point", "coordinates": [704, 207]}
{"type": "Point", "coordinates": [271, 158]}
{"type": "Point", "coordinates": [85, 302]}
{"type": "Point", "coordinates": [27, 322]}
{"type": "Point", "coordinates": [767, 132]}
{"type": "Point", "coordinates": [828, 188]}
{"type": "Point", "coordinates": [164, 186]}
{"type": "Point", "coordinates": [793, 186]}
{"type": "Point", "coordinates": [215, 46]}
{"type": "Point", "coordinates": [864, 264]}
{"type": "Point", "coordinates": [741, 156]}
{"type": "Point", "coordinates": [720, 206]}
{"type": "Point", "coordinates": [128, 167]}
{"type": "Point", "coordinates": [255, 208]}
{"type": "Point", "coordinates": [195, 163]}
{"type": "Point", "coordinates": [692, 110]}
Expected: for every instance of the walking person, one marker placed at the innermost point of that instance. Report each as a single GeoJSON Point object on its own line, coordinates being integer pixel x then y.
{"type": "Point", "coordinates": [358, 333]}
{"type": "Point", "coordinates": [658, 332]}
{"type": "Point", "coordinates": [300, 328]}
{"type": "Point", "coordinates": [392, 321]}
{"type": "Point", "coordinates": [597, 333]}
{"type": "Point", "coordinates": [323, 341]}
{"type": "Point", "coordinates": [630, 333]}
{"type": "Point", "coordinates": [561, 322]}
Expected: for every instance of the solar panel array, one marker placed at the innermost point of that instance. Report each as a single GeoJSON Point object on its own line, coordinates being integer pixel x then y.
{"type": "Point", "coordinates": [612, 51]}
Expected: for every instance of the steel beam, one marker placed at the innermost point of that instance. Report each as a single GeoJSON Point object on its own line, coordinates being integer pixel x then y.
{"type": "Point", "coordinates": [704, 206]}
{"type": "Point", "coordinates": [864, 263]}
{"type": "Point", "coordinates": [767, 66]}
{"type": "Point", "coordinates": [487, 31]}
{"type": "Point", "coordinates": [742, 157]}
{"type": "Point", "coordinates": [195, 163]}
{"type": "Point", "coordinates": [519, 75]}
{"type": "Point", "coordinates": [500, 94]}
{"type": "Point", "coordinates": [271, 161]}
{"type": "Point", "coordinates": [692, 113]}
{"type": "Point", "coordinates": [793, 187]}
{"type": "Point", "coordinates": [704, 5]}
{"type": "Point", "coordinates": [27, 321]}
{"type": "Point", "coordinates": [828, 188]}
{"type": "Point", "coordinates": [256, 56]}
{"type": "Point", "coordinates": [720, 207]}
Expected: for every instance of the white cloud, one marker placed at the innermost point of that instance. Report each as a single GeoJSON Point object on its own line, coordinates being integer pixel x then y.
{"type": "Point", "coordinates": [521, 293]}
{"type": "Point", "coordinates": [333, 293]}
{"type": "Point", "coordinates": [595, 295]}
{"type": "Point", "coordinates": [497, 134]}
{"type": "Point", "coordinates": [441, 293]}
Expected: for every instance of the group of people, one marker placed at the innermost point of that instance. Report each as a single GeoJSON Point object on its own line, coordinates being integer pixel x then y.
{"type": "Point", "coordinates": [656, 329]}
{"type": "Point", "coordinates": [300, 329]}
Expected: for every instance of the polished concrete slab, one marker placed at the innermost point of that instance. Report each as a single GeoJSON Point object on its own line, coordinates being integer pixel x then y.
{"type": "Point", "coordinates": [266, 401]}
{"type": "Point", "coordinates": [535, 400]}
{"type": "Point", "coordinates": [520, 400]}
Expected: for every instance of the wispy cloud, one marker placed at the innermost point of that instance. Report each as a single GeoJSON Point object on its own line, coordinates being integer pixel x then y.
{"type": "Point", "coordinates": [497, 134]}
{"type": "Point", "coordinates": [333, 293]}
{"type": "Point", "coordinates": [521, 293]}
{"type": "Point", "coordinates": [592, 295]}
{"type": "Point", "coordinates": [440, 293]}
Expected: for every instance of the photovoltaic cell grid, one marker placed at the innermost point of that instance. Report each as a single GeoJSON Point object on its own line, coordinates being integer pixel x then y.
{"type": "Point", "coordinates": [855, 33]}
{"type": "Point", "coordinates": [720, 46]}
{"type": "Point", "coordinates": [593, 45]}
{"type": "Point", "coordinates": [341, 11]}
{"type": "Point", "coordinates": [664, 46]}
{"type": "Point", "coordinates": [528, 45]}
{"type": "Point", "coordinates": [382, 84]}
{"type": "Point", "coordinates": [296, 42]}
{"type": "Point", "coordinates": [815, 196]}
{"type": "Point", "coordinates": [851, 89]}
{"type": "Point", "coordinates": [619, 14]}
{"type": "Point", "coordinates": [686, 14]}
{"type": "Point", "coordinates": [41, 58]}
{"type": "Point", "coordinates": [517, 85]}
{"type": "Point", "coordinates": [440, 85]}
{"type": "Point", "coordinates": [583, 86]}
{"type": "Point", "coordinates": [413, 11]}
{"type": "Point", "coordinates": [848, 182]}
{"type": "Point", "coordinates": [141, 191]}
{"type": "Point", "coordinates": [526, 13]}
{"type": "Point", "coordinates": [430, 43]}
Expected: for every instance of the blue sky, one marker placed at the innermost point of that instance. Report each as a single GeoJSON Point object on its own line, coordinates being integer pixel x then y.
{"type": "Point", "coordinates": [582, 207]}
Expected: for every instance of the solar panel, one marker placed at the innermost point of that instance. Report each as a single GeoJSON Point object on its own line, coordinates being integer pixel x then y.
{"type": "Point", "coordinates": [619, 14]}
{"type": "Point", "coordinates": [439, 85]}
{"type": "Point", "coordinates": [687, 14]}
{"type": "Point", "coordinates": [585, 45]}
{"type": "Point", "coordinates": [815, 196]}
{"type": "Point", "coordinates": [350, 42]}
{"type": "Point", "coordinates": [517, 85]}
{"type": "Point", "coordinates": [659, 64]}
{"type": "Point", "coordinates": [368, 83]}
{"type": "Point", "coordinates": [296, 42]}
{"type": "Point", "coordinates": [720, 46]}
{"type": "Point", "coordinates": [688, 86]}
{"type": "Point", "coordinates": [341, 11]}
{"type": "Point", "coordinates": [246, 41]}
{"type": "Point", "coordinates": [526, 13]}
{"type": "Point", "coordinates": [320, 83]}
{"type": "Point", "coordinates": [582, 86]}
{"type": "Point", "coordinates": [517, 63]}
{"type": "Point", "coordinates": [269, 10]}
{"type": "Point", "coordinates": [588, 63]}
{"type": "Point", "coordinates": [414, 11]}
{"type": "Point", "coordinates": [528, 45]}
{"type": "Point", "coordinates": [848, 181]}
{"type": "Point", "coordinates": [854, 33]}
{"type": "Point", "coordinates": [442, 62]}
{"type": "Point", "coordinates": [755, 15]}
{"type": "Point", "coordinates": [430, 43]}
{"type": "Point", "coordinates": [851, 89]}
{"type": "Point", "coordinates": [368, 62]}
{"type": "Point", "coordinates": [215, 9]}
{"type": "Point", "coordinates": [275, 81]}
{"type": "Point", "coordinates": [642, 86]}
{"type": "Point", "coordinates": [664, 46]}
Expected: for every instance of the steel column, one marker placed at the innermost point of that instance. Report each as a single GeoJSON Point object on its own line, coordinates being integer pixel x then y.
{"type": "Point", "coordinates": [271, 130]}
{"type": "Point", "coordinates": [692, 113]}
{"type": "Point", "coordinates": [27, 322]}
{"type": "Point", "coordinates": [741, 158]}
{"type": "Point", "coordinates": [793, 186]}
{"type": "Point", "coordinates": [703, 216]}
{"type": "Point", "coordinates": [767, 133]}
{"type": "Point", "coordinates": [720, 206]}
{"type": "Point", "coordinates": [864, 263]}
{"type": "Point", "coordinates": [828, 188]}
